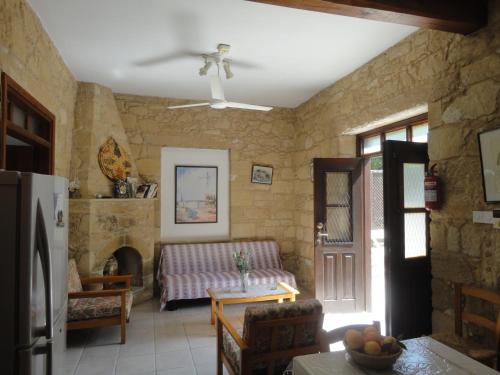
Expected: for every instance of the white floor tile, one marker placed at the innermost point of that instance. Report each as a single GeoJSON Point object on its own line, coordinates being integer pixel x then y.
{"type": "Point", "coordinates": [171, 343]}
{"type": "Point", "coordinates": [96, 368]}
{"type": "Point", "coordinates": [135, 365]}
{"type": "Point", "coordinates": [204, 356]}
{"type": "Point", "coordinates": [178, 371]}
{"type": "Point", "coordinates": [174, 359]}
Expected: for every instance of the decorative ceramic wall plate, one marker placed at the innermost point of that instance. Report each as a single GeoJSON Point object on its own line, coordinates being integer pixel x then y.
{"type": "Point", "coordinates": [114, 161]}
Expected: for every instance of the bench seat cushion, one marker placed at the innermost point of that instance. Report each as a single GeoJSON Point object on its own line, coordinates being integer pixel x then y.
{"type": "Point", "coordinates": [195, 285]}
{"type": "Point", "coordinates": [99, 307]}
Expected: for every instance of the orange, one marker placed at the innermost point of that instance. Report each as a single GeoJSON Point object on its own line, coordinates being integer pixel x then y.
{"type": "Point", "coordinates": [354, 339]}
{"type": "Point", "coordinates": [372, 348]}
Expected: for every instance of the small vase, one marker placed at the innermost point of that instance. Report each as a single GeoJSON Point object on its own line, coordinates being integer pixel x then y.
{"type": "Point", "coordinates": [244, 281]}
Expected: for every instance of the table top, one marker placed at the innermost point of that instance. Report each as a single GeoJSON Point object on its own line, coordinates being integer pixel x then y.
{"type": "Point", "coordinates": [253, 291]}
{"type": "Point", "coordinates": [425, 356]}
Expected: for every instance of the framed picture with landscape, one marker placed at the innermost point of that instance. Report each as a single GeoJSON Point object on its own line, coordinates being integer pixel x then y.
{"type": "Point", "coordinates": [262, 174]}
{"type": "Point", "coordinates": [195, 194]}
{"type": "Point", "coordinates": [489, 149]}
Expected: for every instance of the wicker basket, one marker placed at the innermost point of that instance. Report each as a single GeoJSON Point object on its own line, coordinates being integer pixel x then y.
{"type": "Point", "coordinates": [374, 362]}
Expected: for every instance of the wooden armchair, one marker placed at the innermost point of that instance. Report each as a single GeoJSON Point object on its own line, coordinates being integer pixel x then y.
{"type": "Point", "coordinates": [470, 346]}
{"type": "Point", "coordinates": [335, 335]}
{"type": "Point", "coordinates": [97, 308]}
{"type": "Point", "coordinates": [272, 335]}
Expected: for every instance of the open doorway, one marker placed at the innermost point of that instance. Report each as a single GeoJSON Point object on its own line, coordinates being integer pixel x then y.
{"type": "Point", "coordinates": [370, 148]}
{"type": "Point", "coordinates": [351, 257]}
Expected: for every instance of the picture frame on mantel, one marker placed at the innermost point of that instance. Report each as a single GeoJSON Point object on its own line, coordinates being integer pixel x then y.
{"type": "Point", "coordinates": [489, 151]}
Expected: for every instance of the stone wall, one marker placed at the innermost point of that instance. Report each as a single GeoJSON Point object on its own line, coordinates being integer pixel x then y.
{"type": "Point", "coordinates": [28, 55]}
{"type": "Point", "coordinates": [257, 211]}
{"type": "Point", "coordinates": [96, 119]}
{"type": "Point", "coordinates": [459, 78]}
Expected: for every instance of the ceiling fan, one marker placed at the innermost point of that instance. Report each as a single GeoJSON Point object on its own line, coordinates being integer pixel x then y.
{"type": "Point", "coordinates": [218, 100]}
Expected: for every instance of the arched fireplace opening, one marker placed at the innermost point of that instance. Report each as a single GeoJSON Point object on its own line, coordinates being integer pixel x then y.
{"type": "Point", "coordinates": [129, 261]}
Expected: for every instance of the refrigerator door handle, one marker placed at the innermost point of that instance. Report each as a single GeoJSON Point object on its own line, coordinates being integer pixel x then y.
{"type": "Point", "coordinates": [43, 248]}
{"type": "Point", "coordinates": [47, 351]}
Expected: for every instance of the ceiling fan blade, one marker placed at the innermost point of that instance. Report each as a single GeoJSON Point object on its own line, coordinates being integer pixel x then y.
{"type": "Point", "coordinates": [188, 105]}
{"type": "Point", "coordinates": [216, 87]}
{"type": "Point", "coordinates": [242, 64]}
{"type": "Point", "coordinates": [167, 57]}
{"type": "Point", "coordinates": [247, 106]}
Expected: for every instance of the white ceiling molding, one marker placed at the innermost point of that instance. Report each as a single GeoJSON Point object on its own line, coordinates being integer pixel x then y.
{"type": "Point", "coordinates": [151, 47]}
{"type": "Point", "coordinates": [400, 116]}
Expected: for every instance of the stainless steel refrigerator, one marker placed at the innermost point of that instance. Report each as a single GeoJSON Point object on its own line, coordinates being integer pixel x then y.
{"type": "Point", "coordinates": [33, 276]}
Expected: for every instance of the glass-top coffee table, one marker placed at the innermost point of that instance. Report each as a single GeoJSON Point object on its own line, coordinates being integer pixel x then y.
{"type": "Point", "coordinates": [255, 293]}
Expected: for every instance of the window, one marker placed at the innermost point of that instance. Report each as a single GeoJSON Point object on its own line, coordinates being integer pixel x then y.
{"type": "Point", "coordinates": [414, 129]}
{"type": "Point", "coordinates": [26, 131]}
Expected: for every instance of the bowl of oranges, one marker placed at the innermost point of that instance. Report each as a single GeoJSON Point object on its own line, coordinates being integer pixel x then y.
{"type": "Point", "coordinates": [368, 348]}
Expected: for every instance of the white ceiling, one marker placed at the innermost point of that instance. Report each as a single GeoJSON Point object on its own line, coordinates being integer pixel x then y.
{"type": "Point", "coordinates": [295, 53]}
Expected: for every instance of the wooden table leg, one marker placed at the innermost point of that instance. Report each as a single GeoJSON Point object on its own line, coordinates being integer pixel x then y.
{"type": "Point", "coordinates": [221, 307]}
{"type": "Point", "coordinates": [212, 312]}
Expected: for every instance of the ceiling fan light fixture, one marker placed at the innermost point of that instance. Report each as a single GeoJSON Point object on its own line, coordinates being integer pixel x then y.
{"type": "Point", "coordinates": [206, 67]}
{"type": "Point", "coordinates": [227, 68]}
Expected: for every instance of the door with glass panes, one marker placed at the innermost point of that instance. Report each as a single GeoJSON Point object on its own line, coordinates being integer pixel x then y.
{"type": "Point", "coordinates": [407, 252]}
{"type": "Point", "coordinates": [339, 258]}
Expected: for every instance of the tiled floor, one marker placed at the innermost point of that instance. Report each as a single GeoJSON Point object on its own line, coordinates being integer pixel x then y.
{"type": "Point", "coordinates": [178, 342]}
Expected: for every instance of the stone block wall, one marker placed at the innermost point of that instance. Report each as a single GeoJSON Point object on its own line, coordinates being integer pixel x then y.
{"type": "Point", "coordinates": [96, 119]}
{"type": "Point", "coordinates": [28, 55]}
{"type": "Point", "coordinates": [459, 78]}
{"type": "Point", "coordinates": [257, 211]}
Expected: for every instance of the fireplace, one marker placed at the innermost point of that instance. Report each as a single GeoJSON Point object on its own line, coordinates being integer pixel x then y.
{"type": "Point", "coordinates": [129, 263]}
{"type": "Point", "coordinates": [121, 229]}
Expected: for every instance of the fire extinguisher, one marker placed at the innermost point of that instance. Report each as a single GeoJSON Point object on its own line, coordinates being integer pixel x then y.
{"type": "Point", "coordinates": [432, 189]}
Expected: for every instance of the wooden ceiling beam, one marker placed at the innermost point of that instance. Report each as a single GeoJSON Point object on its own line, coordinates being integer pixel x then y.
{"type": "Point", "coordinates": [456, 16]}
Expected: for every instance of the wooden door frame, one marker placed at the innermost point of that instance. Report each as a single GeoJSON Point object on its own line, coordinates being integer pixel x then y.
{"type": "Point", "coordinates": [10, 88]}
{"type": "Point", "coordinates": [344, 165]}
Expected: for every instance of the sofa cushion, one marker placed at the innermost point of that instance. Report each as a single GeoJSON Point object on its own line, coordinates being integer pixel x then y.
{"type": "Point", "coordinates": [74, 283]}
{"type": "Point", "coordinates": [195, 285]}
{"type": "Point", "coordinates": [99, 307]}
{"type": "Point", "coordinates": [216, 257]}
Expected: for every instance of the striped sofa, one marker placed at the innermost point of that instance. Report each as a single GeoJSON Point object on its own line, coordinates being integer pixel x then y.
{"type": "Point", "coordinates": [186, 271]}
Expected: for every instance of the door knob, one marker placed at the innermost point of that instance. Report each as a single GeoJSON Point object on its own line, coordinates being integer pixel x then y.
{"type": "Point", "coordinates": [320, 233]}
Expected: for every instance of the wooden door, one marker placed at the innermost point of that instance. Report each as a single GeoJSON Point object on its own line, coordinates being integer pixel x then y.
{"type": "Point", "coordinates": [339, 250]}
{"type": "Point", "coordinates": [407, 253]}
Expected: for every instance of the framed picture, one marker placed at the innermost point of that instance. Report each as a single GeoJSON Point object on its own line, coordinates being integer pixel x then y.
{"type": "Point", "coordinates": [489, 149]}
{"type": "Point", "coordinates": [195, 194]}
{"type": "Point", "coordinates": [262, 174]}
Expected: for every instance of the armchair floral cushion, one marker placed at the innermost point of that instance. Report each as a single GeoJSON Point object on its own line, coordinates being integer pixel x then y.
{"type": "Point", "coordinates": [98, 307]}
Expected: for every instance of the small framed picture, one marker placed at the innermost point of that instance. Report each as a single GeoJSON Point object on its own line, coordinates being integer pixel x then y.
{"type": "Point", "coordinates": [262, 174]}
{"type": "Point", "coordinates": [489, 149]}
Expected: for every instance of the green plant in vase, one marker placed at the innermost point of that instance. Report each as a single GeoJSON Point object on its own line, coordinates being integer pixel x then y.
{"type": "Point", "coordinates": [242, 261]}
